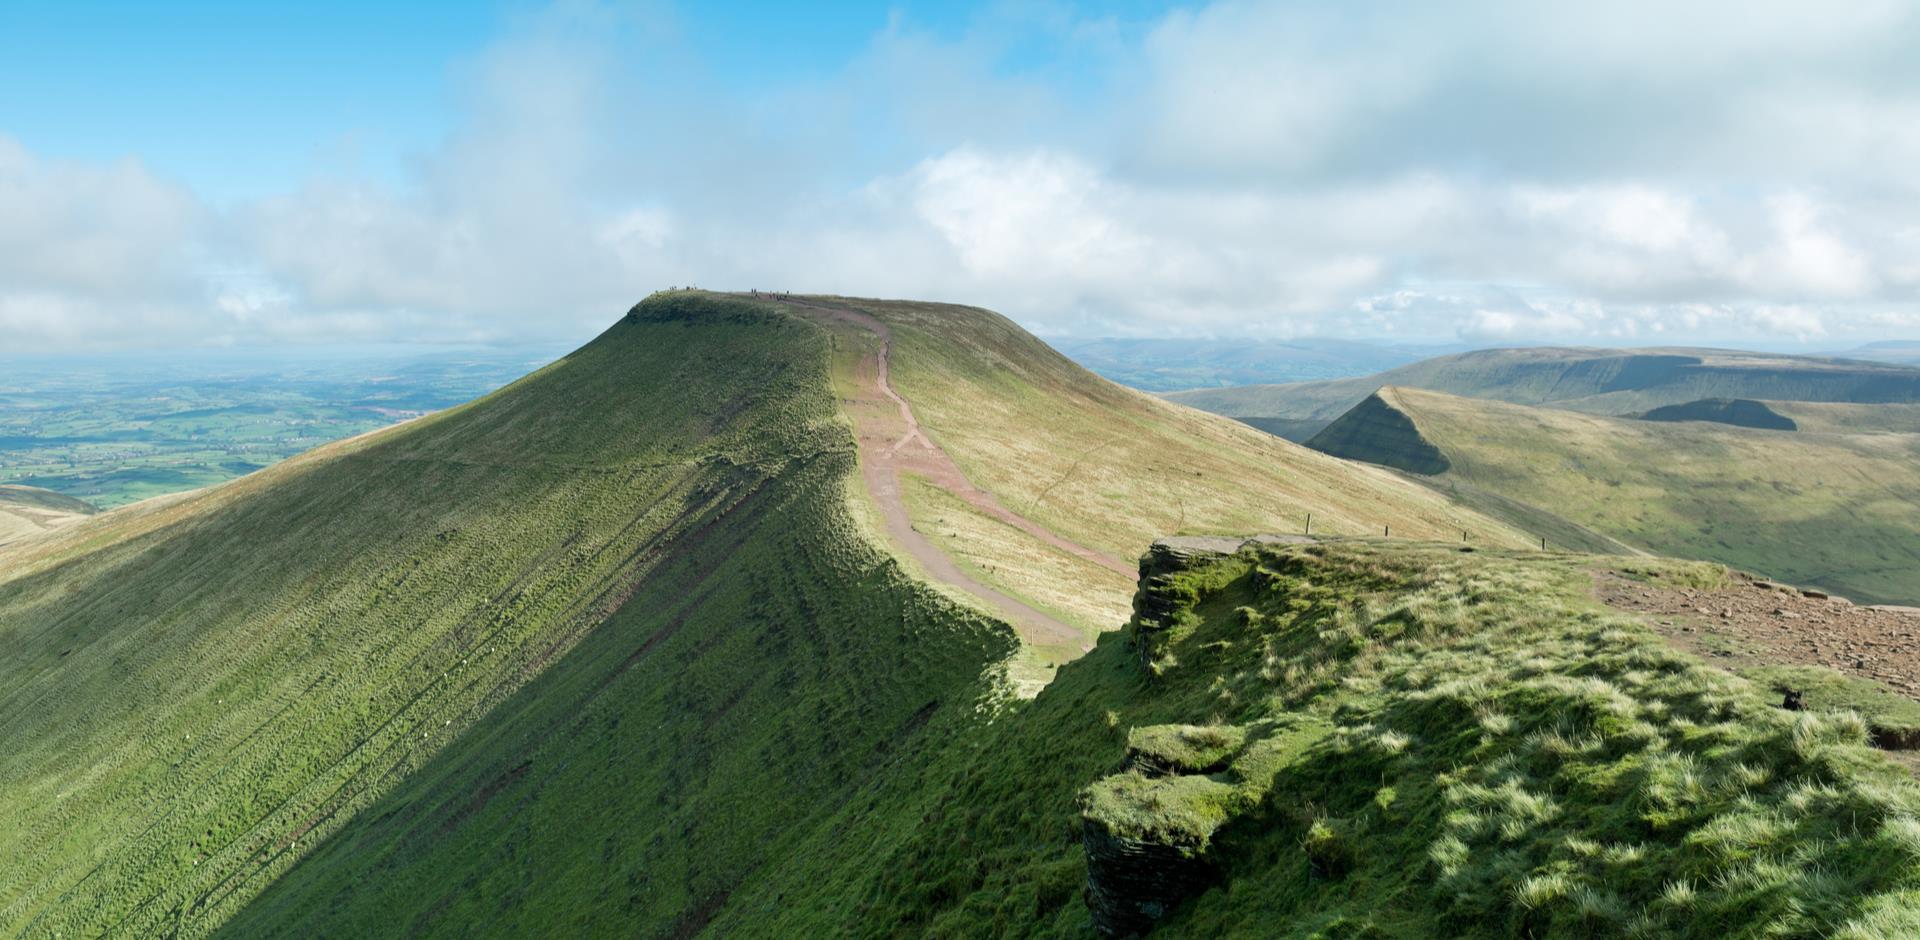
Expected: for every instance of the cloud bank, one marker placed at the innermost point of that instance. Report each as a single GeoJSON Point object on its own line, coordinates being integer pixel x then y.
{"type": "Point", "coordinates": [1496, 172]}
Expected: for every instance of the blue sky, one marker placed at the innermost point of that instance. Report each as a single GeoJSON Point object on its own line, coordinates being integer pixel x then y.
{"type": "Point", "coordinates": [1639, 173]}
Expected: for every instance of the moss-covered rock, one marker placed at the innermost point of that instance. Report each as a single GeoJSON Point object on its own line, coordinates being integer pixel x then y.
{"type": "Point", "coordinates": [1184, 749]}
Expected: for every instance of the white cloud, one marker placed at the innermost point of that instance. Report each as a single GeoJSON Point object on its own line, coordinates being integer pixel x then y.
{"type": "Point", "coordinates": [114, 229]}
{"type": "Point", "coordinates": [1798, 322]}
{"type": "Point", "coordinates": [1489, 170]}
{"type": "Point", "coordinates": [1808, 257]}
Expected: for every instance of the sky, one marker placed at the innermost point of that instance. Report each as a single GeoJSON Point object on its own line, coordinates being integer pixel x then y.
{"type": "Point", "coordinates": [1631, 173]}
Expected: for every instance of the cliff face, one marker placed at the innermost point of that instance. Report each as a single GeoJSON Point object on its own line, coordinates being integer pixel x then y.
{"type": "Point", "coordinates": [1377, 432]}
{"type": "Point", "coordinates": [1148, 831]}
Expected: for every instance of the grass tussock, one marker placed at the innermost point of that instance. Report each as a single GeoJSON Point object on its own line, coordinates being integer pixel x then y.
{"type": "Point", "coordinates": [1434, 744]}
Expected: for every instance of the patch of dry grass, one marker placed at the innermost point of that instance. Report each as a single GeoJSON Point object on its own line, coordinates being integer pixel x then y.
{"type": "Point", "coordinates": [1837, 510]}
{"type": "Point", "coordinates": [1111, 468]}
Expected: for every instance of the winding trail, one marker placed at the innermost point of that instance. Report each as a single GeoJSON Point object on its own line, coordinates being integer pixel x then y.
{"type": "Point", "coordinates": [891, 442]}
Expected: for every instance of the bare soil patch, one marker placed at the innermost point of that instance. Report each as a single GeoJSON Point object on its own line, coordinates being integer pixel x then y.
{"type": "Point", "coordinates": [1758, 622]}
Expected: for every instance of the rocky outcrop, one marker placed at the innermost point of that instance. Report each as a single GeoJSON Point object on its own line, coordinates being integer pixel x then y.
{"type": "Point", "coordinates": [1161, 597]}
{"type": "Point", "coordinates": [1132, 882]}
{"type": "Point", "coordinates": [1147, 830]}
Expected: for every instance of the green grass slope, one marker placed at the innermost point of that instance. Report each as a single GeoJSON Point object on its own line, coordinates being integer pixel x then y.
{"type": "Point", "coordinates": [1597, 381]}
{"type": "Point", "coordinates": [1376, 740]}
{"type": "Point", "coordinates": [1837, 510]}
{"type": "Point", "coordinates": [1112, 468]}
{"type": "Point", "coordinates": [577, 657]}
{"type": "Point", "coordinates": [28, 510]}
{"type": "Point", "coordinates": [616, 652]}
{"type": "Point", "coordinates": [381, 684]}
{"type": "Point", "coordinates": [1847, 418]}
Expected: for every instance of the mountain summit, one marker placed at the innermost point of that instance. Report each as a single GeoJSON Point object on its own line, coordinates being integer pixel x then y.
{"type": "Point", "coordinates": [694, 585]}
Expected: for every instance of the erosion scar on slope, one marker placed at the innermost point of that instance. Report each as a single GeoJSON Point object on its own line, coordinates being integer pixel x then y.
{"type": "Point", "coordinates": [892, 444]}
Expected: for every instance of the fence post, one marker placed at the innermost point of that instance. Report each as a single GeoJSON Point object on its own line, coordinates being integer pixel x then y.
{"type": "Point", "coordinates": [1309, 523]}
{"type": "Point", "coordinates": [1387, 532]}
{"type": "Point", "coordinates": [1543, 543]}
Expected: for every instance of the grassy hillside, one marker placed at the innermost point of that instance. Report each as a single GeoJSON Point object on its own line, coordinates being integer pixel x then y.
{"type": "Point", "coordinates": [639, 585]}
{"type": "Point", "coordinates": [393, 678]}
{"type": "Point", "coordinates": [1376, 740]}
{"type": "Point", "coordinates": [620, 651]}
{"type": "Point", "coordinates": [1597, 381]}
{"type": "Point", "coordinates": [1837, 510]}
{"type": "Point", "coordinates": [1378, 432]}
{"type": "Point", "coordinates": [1112, 468]}
{"type": "Point", "coordinates": [27, 511]}
{"type": "Point", "coordinates": [1844, 418]}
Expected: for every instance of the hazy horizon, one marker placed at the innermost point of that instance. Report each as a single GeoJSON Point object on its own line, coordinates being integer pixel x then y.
{"type": "Point", "coordinates": [216, 174]}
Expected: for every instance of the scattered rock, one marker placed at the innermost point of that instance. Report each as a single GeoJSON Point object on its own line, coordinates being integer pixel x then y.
{"type": "Point", "coordinates": [1817, 595]}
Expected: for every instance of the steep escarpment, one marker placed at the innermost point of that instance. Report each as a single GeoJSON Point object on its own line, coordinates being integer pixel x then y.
{"type": "Point", "coordinates": [579, 656]}
{"type": "Point", "coordinates": [1739, 412]}
{"type": "Point", "coordinates": [1377, 431]}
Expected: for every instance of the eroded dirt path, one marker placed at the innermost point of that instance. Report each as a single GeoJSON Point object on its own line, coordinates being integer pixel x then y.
{"type": "Point", "coordinates": [1758, 623]}
{"type": "Point", "coordinates": [892, 443]}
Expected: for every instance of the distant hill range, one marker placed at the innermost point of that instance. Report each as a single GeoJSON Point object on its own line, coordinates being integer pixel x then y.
{"type": "Point", "coordinates": [1596, 381]}
{"type": "Point", "coordinates": [1826, 508]}
{"type": "Point", "coordinates": [1902, 351]}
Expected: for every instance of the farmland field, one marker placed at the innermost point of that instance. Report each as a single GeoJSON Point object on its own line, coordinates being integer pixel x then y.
{"type": "Point", "coordinates": [113, 430]}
